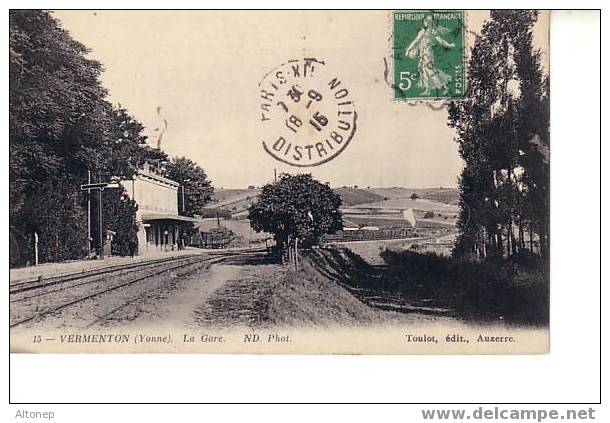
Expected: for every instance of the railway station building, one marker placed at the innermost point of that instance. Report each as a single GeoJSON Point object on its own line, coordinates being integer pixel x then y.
{"type": "Point", "coordinates": [160, 227]}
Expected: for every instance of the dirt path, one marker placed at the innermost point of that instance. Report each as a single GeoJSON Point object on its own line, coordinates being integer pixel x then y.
{"type": "Point", "coordinates": [244, 299]}
{"type": "Point", "coordinates": [231, 293]}
{"type": "Point", "coordinates": [175, 307]}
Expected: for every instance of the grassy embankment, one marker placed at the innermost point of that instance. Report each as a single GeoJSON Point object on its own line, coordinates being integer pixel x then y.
{"type": "Point", "coordinates": [266, 294]}
{"type": "Point", "coordinates": [334, 286]}
{"type": "Point", "coordinates": [512, 291]}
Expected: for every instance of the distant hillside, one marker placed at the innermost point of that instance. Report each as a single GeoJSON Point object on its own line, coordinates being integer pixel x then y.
{"type": "Point", "coordinates": [442, 195]}
{"type": "Point", "coordinates": [226, 197]}
{"type": "Point", "coordinates": [391, 193]}
{"type": "Point", "coordinates": [353, 196]}
{"type": "Point", "coordinates": [236, 201]}
{"type": "Point", "coordinates": [447, 196]}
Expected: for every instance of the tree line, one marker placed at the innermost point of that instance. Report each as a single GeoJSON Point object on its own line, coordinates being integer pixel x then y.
{"type": "Point", "coordinates": [63, 129]}
{"type": "Point", "coordinates": [502, 129]}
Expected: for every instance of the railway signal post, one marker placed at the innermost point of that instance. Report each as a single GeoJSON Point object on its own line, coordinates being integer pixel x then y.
{"type": "Point", "coordinates": [99, 186]}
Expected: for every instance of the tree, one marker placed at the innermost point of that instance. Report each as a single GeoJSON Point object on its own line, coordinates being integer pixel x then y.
{"type": "Point", "coordinates": [58, 218]}
{"type": "Point", "coordinates": [54, 98]}
{"type": "Point", "coordinates": [123, 149]}
{"type": "Point", "coordinates": [504, 184]}
{"type": "Point", "coordinates": [195, 187]}
{"type": "Point", "coordinates": [56, 119]}
{"type": "Point", "coordinates": [54, 89]}
{"type": "Point", "coordinates": [414, 196]}
{"type": "Point", "coordinates": [60, 128]}
{"type": "Point", "coordinates": [119, 216]}
{"type": "Point", "coordinates": [296, 207]}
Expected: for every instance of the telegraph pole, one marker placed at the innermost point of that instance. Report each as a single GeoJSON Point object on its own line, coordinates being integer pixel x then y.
{"type": "Point", "coordinates": [35, 248]}
{"type": "Point", "coordinates": [99, 187]}
{"type": "Point", "coordinates": [183, 207]}
{"type": "Point", "coordinates": [183, 197]}
{"type": "Point", "coordinates": [89, 214]}
{"type": "Point", "coordinates": [296, 253]}
{"type": "Point", "coordinates": [100, 221]}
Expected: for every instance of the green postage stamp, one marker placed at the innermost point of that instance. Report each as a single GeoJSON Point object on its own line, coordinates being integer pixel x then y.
{"type": "Point", "coordinates": [428, 51]}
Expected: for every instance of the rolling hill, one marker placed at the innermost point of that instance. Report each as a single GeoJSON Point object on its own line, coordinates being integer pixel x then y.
{"type": "Point", "coordinates": [354, 196]}
{"type": "Point", "coordinates": [236, 201]}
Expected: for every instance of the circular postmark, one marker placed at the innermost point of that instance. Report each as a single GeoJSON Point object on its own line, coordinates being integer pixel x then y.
{"type": "Point", "coordinates": [307, 114]}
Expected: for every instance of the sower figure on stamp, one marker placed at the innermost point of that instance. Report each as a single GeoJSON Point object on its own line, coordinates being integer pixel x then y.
{"type": "Point", "coordinates": [430, 77]}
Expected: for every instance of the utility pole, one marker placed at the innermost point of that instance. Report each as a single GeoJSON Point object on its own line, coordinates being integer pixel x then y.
{"type": "Point", "coordinates": [35, 248]}
{"type": "Point", "coordinates": [99, 187]}
{"type": "Point", "coordinates": [289, 250]}
{"type": "Point", "coordinates": [296, 253]}
{"type": "Point", "coordinates": [100, 221]}
{"type": "Point", "coordinates": [89, 215]}
{"type": "Point", "coordinates": [274, 175]}
{"type": "Point", "coordinates": [183, 206]}
{"type": "Point", "coordinates": [183, 197]}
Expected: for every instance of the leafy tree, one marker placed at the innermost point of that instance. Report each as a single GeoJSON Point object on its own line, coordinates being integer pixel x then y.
{"type": "Point", "coordinates": [123, 149]}
{"type": "Point", "coordinates": [504, 184]}
{"type": "Point", "coordinates": [55, 214]}
{"type": "Point", "coordinates": [56, 118]}
{"type": "Point", "coordinates": [60, 127]}
{"type": "Point", "coordinates": [119, 215]}
{"type": "Point", "coordinates": [194, 184]}
{"type": "Point", "coordinates": [54, 99]}
{"type": "Point", "coordinates": [296, 207]}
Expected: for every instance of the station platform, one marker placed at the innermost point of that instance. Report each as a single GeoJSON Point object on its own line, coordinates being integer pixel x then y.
{"type": "Point", "coordinates": [69, 267]}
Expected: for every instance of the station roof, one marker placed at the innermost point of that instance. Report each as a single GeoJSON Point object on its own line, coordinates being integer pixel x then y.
{"type": "Point", "coordinates": [147, 217]}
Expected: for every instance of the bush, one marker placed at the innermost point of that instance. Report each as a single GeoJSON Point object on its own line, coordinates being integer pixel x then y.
{"type": "Point", "coordinates": [514, 290]}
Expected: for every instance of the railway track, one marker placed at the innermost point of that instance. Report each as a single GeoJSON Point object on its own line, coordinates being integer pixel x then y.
{"type": "Point", "coordinates": [40, 282]}
{"type": "Point", "coordinates": [34, 300]}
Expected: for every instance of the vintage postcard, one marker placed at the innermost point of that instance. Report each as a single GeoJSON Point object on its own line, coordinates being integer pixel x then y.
{"type": "Point", "coordinates": [279, 182]}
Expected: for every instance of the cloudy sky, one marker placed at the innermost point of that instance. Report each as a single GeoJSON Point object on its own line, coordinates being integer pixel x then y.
{"type": "Point", "coordinates": [202, 68]}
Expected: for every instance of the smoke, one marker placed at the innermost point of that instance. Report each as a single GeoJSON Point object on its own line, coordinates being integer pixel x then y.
{"type": "Point", "coordinates": [161, 128]}
{"type": "Point", "coordinates": [409, 216]}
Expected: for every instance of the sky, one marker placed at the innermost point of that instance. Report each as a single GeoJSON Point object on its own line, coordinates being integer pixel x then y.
{"type": "Point", "coordinates": [203, 68]}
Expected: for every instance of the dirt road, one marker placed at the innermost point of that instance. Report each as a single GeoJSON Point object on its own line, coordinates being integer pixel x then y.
{"type": "Point", "coordinates": [226, 294]}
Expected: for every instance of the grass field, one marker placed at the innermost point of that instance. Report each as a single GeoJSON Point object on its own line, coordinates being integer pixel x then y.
{"type": "Point", "coordinates": [353, 196]}
{"type": "Point", "coordinates": [442, 195]}
{"type": "Point", "coordinates": [407, 203]}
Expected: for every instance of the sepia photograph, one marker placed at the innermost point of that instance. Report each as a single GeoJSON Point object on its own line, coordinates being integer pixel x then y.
{"type": "Point", "coordinates": [279, 182]}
